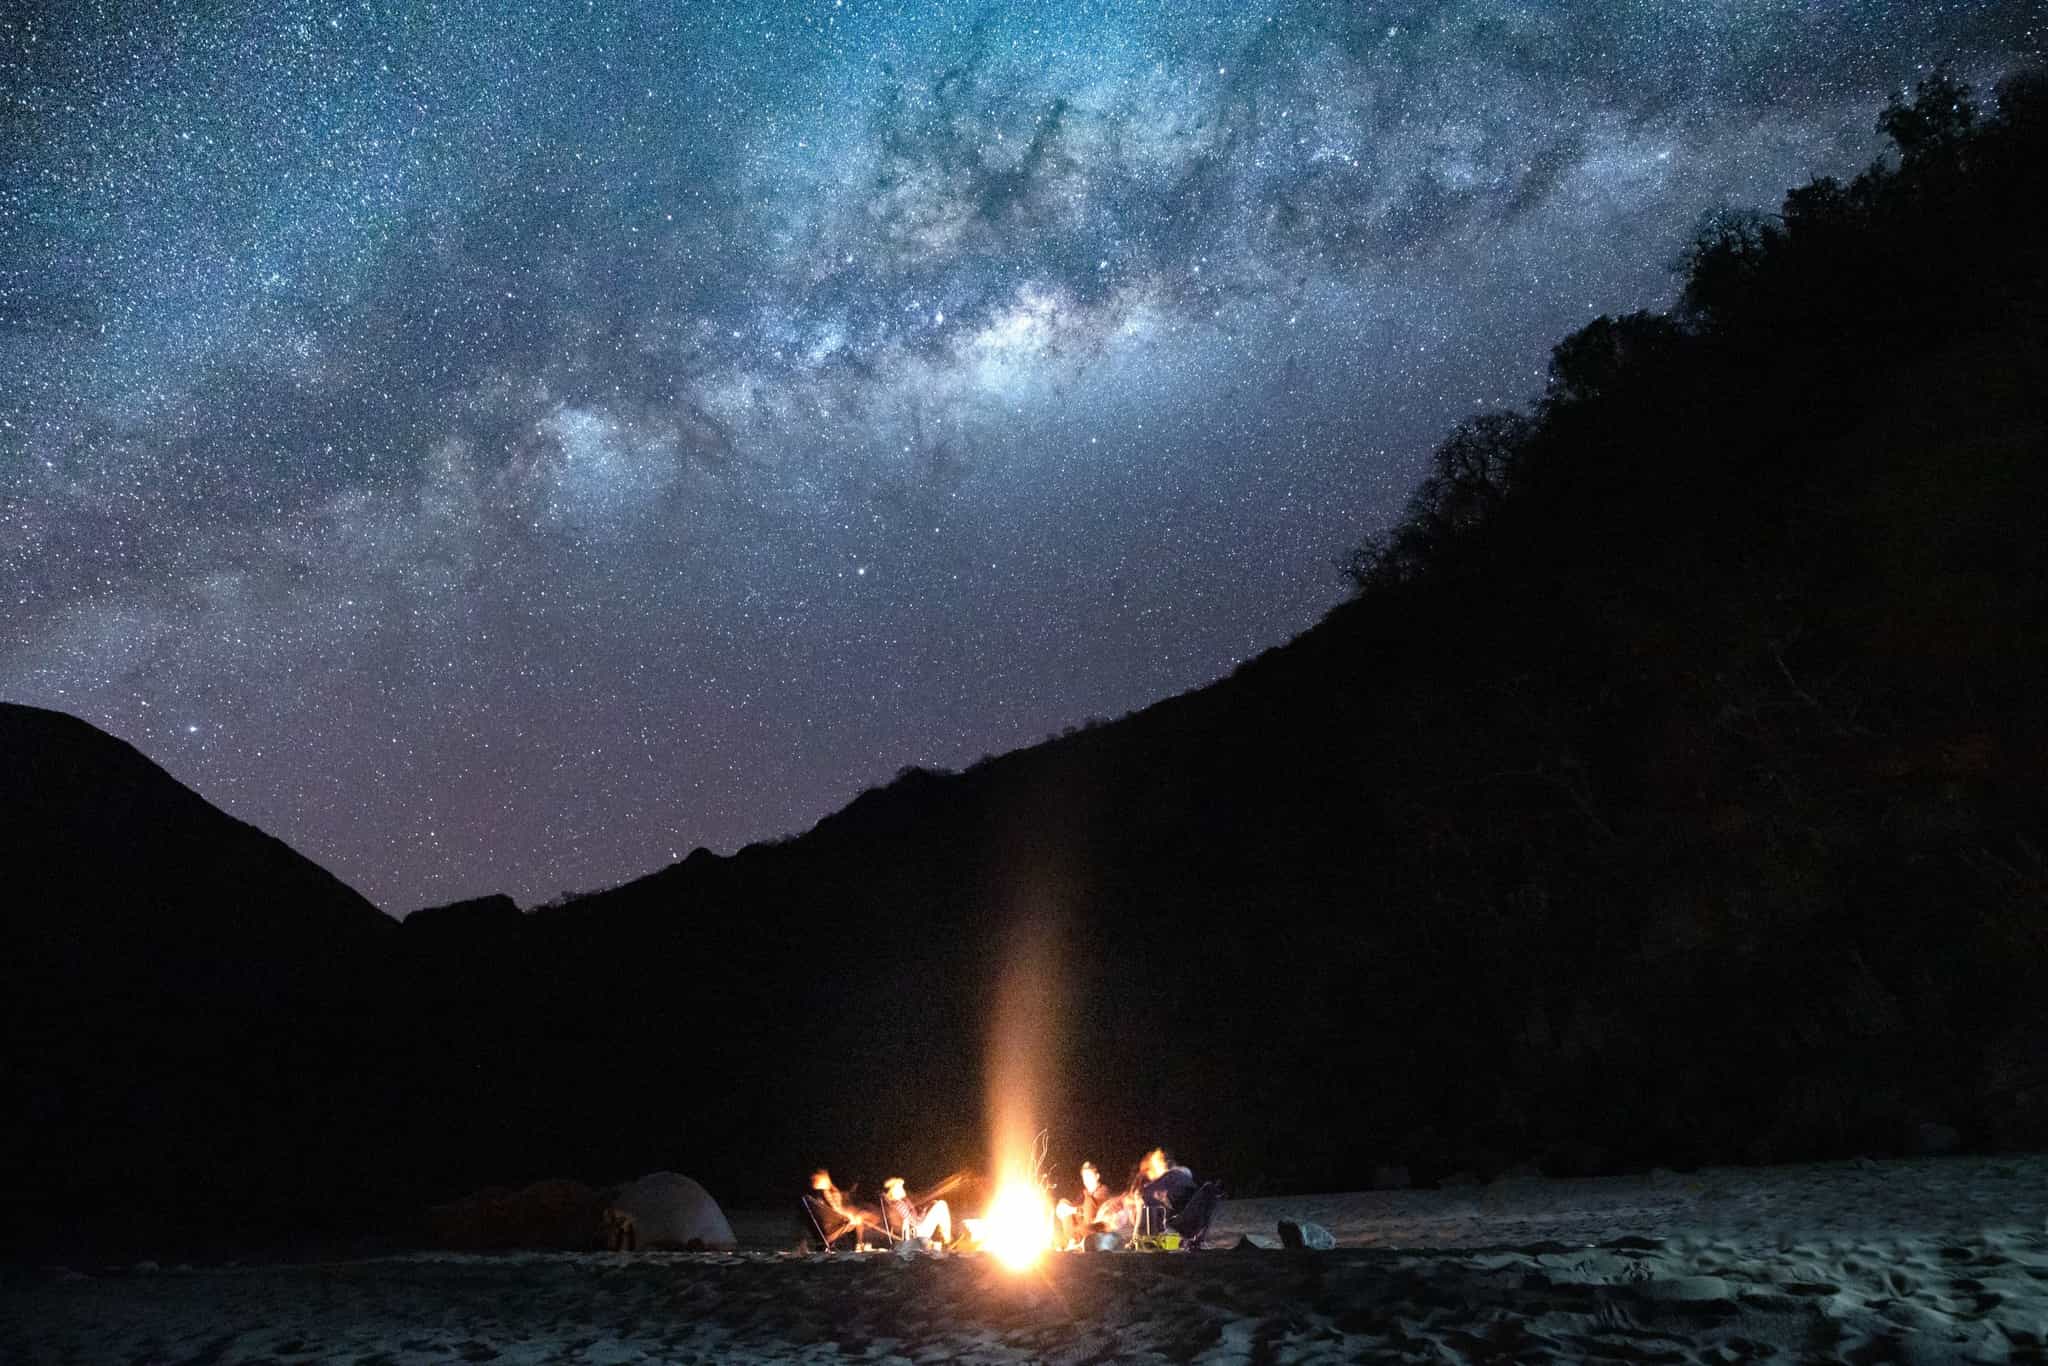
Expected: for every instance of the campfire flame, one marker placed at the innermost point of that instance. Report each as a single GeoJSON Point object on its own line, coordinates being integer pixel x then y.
{"type": "Point", "coordinates": [1023, 1047]}
{"type": "Point", "coordinates": [1018, 1226]}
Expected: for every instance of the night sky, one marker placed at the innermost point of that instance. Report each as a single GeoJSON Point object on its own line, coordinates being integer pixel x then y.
{"type": "Point", "coordinates": [501, 448]}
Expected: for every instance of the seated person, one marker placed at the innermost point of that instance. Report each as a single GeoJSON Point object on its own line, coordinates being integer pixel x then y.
{"type": "Point", "coordinates": [1193, 1221]}
{"type": "Point", "coordinates": [1095, 1196]}
{"type": "Point", "coordinates": [833, 1215]}
{"type": "Point", "coordinates": [902, 1218]}
{"type": "Point", "coordinates": [1164, 1190]}
{"type": "Point", "coordinates": [1098, 1209]}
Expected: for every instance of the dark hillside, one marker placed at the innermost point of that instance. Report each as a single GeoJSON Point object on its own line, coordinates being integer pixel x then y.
{"type": "Point", "coordinates": [1672, 790]}
{"type": "Point", "coordinates": [188, 1011]}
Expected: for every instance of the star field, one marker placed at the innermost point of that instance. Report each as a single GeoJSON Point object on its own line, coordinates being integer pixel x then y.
{"type": "Point", "coordinates": [503, 447]}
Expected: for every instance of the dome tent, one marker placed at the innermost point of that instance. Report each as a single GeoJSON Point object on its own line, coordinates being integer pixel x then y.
{"type": "Point", "coordinates": [670, 1210]}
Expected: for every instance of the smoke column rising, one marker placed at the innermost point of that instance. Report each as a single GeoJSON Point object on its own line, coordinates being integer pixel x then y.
{"type": "Point", "coordinates": [1024, 1048]}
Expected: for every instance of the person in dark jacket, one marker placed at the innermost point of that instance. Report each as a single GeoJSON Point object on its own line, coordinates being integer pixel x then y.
{"type": "Point", "coordinates": [1164, 1188]}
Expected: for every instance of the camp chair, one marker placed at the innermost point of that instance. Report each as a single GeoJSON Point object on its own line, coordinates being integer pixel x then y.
{"type": "Point", "coordinates": [1192, 1223]}
{"type": "Point", "coordinates": [894, 1234]}
{"type": "Point", "coordinates": [1185, 1229]}
{"type": "Point", "coordinates": [1148, 1228]}
{"type": "Point", "coordinates": [820, 1217]}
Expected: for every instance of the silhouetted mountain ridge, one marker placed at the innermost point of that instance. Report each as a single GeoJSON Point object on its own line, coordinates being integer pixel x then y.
{"type": "Point", "coordinates": [115, 846]}
{"type": "Point", "coordinates": [188, 1003]}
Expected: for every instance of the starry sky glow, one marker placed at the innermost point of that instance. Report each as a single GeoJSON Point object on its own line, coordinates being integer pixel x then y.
{"type": "Point", "coordinates": [502, 447]}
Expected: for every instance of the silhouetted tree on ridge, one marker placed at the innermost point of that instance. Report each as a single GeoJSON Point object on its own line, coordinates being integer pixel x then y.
{"type": "Point", "coordinates": [1836, 258]}
{"type": "Point", "coordinates": [1744, 633]}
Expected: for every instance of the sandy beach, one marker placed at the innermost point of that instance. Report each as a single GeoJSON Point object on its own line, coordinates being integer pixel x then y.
{"type": "Point", "coordinates": [1915, 1261]}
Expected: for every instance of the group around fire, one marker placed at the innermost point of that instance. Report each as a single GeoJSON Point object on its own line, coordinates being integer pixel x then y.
{"type": "Point", "coordinates": [1160, 1198]}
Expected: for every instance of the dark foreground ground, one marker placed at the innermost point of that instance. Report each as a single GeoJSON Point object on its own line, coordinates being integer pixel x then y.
{"type": "Point", "coordinates": [1915, 1262]}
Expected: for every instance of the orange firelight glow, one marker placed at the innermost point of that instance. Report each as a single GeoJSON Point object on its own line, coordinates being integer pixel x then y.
{"type": "Point", "coordinates": [1023, 1048]}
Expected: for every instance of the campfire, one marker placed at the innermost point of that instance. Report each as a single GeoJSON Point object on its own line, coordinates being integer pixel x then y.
{"type": "Point", "coordinates": [1018, 1225]}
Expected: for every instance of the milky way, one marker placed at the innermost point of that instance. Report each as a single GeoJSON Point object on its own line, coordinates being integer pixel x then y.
{"type": "Point", "coordinates": [502, 448]}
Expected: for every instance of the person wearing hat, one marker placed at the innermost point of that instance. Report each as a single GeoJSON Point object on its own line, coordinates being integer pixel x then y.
{"type": "Point", "coordinates": [904, 1219]}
